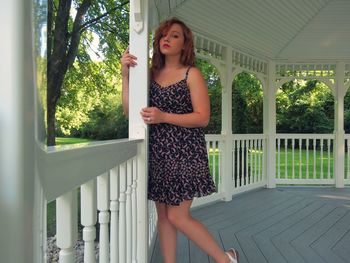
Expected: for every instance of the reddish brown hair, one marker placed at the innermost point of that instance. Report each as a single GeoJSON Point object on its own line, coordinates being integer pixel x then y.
{"type": "Point", "coordinates": [187, 56]}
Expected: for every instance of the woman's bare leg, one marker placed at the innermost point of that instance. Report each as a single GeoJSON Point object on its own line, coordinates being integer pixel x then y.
{"type": "Point", "coordinates": [181, 218]}
{"type": "Point", "coordinates": [166, 234]}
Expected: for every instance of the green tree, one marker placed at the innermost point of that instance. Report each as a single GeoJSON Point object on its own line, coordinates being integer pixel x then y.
{"type": "Point", "coordinates": [304, 107]}
{"type": "Point", "coordinates": [212, 78]}
{"type": "Point", "coordinates": [69, 35]}
{"type": "Point", "coordinates": [247, 104]}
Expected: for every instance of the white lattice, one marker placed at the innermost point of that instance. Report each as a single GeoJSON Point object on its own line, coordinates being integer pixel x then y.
{"type": "Point", "coordinates": [347, 72]}
{"type": "Point", "coordinates": [248, 62]}
{"type": "Point", "coordinates": [305, 70]}
{"type": "Point", "coordinates": [208, 47]}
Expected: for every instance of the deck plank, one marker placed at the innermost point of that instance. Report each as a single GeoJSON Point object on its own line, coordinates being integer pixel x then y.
{"type": "Point", "coordinates": [290, 224]}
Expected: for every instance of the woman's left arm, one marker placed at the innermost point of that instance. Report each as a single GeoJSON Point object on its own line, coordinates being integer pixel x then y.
{"type": "Point", "coordinates": [200, 103]}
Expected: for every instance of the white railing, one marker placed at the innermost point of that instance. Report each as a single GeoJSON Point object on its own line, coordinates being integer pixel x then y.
{"type": "Point", "coordinates": [305, 159]}
{"type": "Point", "coordinates": [347, 160]}
{"type": "Point", "coordinates": [248, 161]}
{"type": "Point", "coordinates": [107, 175]}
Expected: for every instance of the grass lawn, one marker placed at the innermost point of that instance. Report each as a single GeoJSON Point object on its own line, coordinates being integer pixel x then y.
{"type": "Point", "coordinates": [313, 163]}
{"type": "Point", "coordinates": [68, 140]}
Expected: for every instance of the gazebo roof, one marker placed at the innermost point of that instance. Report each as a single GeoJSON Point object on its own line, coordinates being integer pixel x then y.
{"type": "Point", "coordinates": [298, 30]}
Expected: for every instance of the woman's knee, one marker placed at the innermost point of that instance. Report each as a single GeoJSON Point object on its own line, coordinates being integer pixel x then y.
{"type": "Point", "coordinates": [177, 218]}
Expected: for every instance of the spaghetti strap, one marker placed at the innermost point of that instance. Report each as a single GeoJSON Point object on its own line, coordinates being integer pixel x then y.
{"type": "Point", "coordinates": [187, 71]}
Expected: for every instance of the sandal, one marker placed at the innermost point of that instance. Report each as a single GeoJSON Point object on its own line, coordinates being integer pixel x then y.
{"type": "Point", "coordinates": [234, 252]}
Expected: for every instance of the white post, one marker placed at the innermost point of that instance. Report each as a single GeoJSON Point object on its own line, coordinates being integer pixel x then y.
{"type": "Point", "coordinates": [67, 226]}
{"type": "Point", "coordinates": [17, 164]}
{"type": "Point", "coordinates": [103, 217]}
{"type": "Point", "coordinates": [138, 98]}
{"type": "Point", "coordinates": [226, 123]}
{"type": "Point", "coordinates": [270, 124]}
{"type": "Point", "coordinates": [339, 150]}
{"type": "Point", "coordinates": [88, 219]}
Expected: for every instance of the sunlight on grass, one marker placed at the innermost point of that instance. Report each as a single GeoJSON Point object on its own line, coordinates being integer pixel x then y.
{"type": "Point", "coordinates": [71, 140]}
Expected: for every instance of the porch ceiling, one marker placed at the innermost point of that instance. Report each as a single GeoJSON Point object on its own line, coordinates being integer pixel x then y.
{"type": "Point", "coordinates": [273, 29]}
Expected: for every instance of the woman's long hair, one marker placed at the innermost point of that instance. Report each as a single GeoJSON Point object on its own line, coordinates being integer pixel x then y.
{"type": "Point", "coordinates": [187, 55]}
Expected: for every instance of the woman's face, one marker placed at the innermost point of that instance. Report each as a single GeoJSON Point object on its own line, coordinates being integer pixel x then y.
{"type": "Point", "coordinates": [172, 41]}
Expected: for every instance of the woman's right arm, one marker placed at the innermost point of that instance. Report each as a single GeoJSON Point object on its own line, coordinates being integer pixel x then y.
{"type": "Point", "coordinates": [126, 61]}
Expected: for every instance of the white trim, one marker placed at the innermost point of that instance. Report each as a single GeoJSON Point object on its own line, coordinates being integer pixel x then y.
{"type": "Point", "coordinates": [306, 181]}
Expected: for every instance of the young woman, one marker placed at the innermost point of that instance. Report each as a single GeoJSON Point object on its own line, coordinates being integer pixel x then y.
{"type": "Point", "coordinates": [178, 162]}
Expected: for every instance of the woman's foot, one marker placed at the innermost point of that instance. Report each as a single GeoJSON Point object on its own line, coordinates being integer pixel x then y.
{"type": "Point", "coordinates": [232, 255]}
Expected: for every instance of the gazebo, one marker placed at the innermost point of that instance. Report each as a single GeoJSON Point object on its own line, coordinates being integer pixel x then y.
{"type": "Point", "coordinates": [277, 41]}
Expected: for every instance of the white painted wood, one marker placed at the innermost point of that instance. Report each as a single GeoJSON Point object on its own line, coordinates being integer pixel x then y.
{"type": "Point", "coordinates": [114, 206]}
{"type": "Point", "coordinates": [103, 216]}
{"type": "Point", "coordinates": [129, 180]}
{"type": "Point", "coordinates": [63, 168]}
{"type": "Point", "coordinates": [138, 98]}
{"type": "Point", "coordinates": [134, 211]}
{"type": "Point", "coordinates": [88, 213]}
{"type": "Point", "coordinates": [17, 135]}
{"type": "Point", "coordinates": [270, 123]}
{"type": "Point", "coordinates": [67, 226]}
{"type": "Point", "coordinates": [339, 125]}
{"type": "Point", "coordinates": [122, 213]}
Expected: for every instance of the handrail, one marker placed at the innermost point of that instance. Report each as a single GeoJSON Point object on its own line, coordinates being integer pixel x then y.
{"type": "Point", "coordinates": [63, 168]}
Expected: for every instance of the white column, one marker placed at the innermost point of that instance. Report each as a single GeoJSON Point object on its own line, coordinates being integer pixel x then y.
{"type": "Point", "coordinates": [339, 147]}
{"type": "Point", "coordinates": [138, 98]}
{"type": "Point", "coordinates": [17, 110]}
{"type": "Point", "coordinates": [226, 120]}
{"type": "Point", "coordinates": [270, 124]}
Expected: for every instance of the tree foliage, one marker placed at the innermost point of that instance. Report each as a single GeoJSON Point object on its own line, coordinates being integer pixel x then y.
{"type": "Point", "coordinates": [305, 107]}
{"type": "Point", "coordinates": [212, 78]}
{"type": "Point", "coordinates": [72, 25]}
{"type": "Point", "coordinates": [247, 104]}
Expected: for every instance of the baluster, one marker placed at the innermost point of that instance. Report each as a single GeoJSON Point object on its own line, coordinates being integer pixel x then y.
{"type": "Point", "coordinates": [314, 168]}
{"type": "Point", "coordinates": [244, 176]}
{"type": "Point", "coordinates": [67, 226]}
{"type": "Point", "coordinates": [88, 219]}
{"type": "Point", "coordinates": [263, 147]}
{"type": "Point", "coordinates": [103, 217]}
{"type": "Point", "coordinates": [114, 205]}
{"type": "Point", "coordinates": [213, 159]}
{"type": "Point", "coordinates": [293, 146]}
{"type": "Point", "coordinates": [234, 163]}
{"type": "Point", "coordinates": [348, 173]}
{"type": "Point", "coordinates": [134, 211]}
{"type": "Point", "coordinates": [246, 162]}
{"type": "Point", "coordinates": [122, 214]}
{"type": "Point", "coordinates": [220, 164]}
{"type": "Point", "coordinates": [278, 158]}
{"type": "Point", "coordinates": [300, 158]}
{"type": "Point", "coordinates": [239, 172]}
{"type": "Point", "coordinates": [255, 145]}
{"type": "Point", "coordinates": [307, 158]}
{"type": "Point", "coordinates": [128, 210]}
{"type": "Point", "coordinates": [285, 158]}
{"type": "Point", "coordinates": [329, 159]}
{"type": "Point", "coordinates": [321, 156]}
{"type": "Point", "coordinates": [259, 158]}
{"type": "Point", "coordinates": [251, 175]}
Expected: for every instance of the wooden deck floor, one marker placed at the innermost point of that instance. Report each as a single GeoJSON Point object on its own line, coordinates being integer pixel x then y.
{"type": "Point", "coordinates": [293, 224]}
